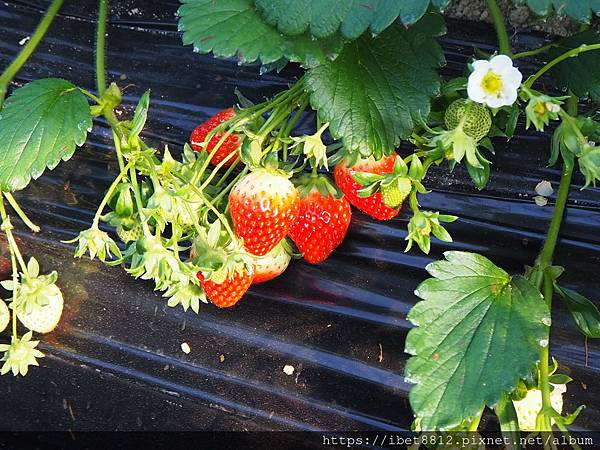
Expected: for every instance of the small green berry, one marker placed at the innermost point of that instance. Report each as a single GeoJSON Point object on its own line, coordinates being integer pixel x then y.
{"type": "Point", "coordinates": [478, 122]}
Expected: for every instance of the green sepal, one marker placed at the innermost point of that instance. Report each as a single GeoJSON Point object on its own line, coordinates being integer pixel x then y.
{"type": "Point", "coordinates": [139, 118]}
{"type": "Point", "coordinates": [584, 312]}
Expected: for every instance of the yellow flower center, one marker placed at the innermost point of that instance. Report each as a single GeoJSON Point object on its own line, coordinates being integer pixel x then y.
{"type": "Point", "coordinates": [492, 84]}
{"type": "Point", "coordinates": [539, 109]}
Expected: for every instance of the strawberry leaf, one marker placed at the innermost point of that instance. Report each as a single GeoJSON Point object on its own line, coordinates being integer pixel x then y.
{"type": "Point", "coordinates": [377, 88]}
{"type": "Point", "coordinates": [582, 73]}
{"type": "Point", "coordinates": [477, 332]}
{"type": "Point", "coordinates": [352, 18]}
{"type": "Point", "coordinates": [40, 125]}
{"type": "Point", "coordinates": [580, 10]}
{"type": "Point", "coordinates": [233, 28]}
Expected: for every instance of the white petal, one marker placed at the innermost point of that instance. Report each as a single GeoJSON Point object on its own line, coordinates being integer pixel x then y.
{"type": "Point", "coordinates": [512, 77]}
{"type": "Point", "coordinates": [474, 89]}
{"type": "Point", "coordinates": [500, 62]}
{"type": "Point", "coordinates": [495, 102]}
{"type": "Point", "coordinates": [481, 65]}
{"type": "Point", "coordinates": [509, 95]}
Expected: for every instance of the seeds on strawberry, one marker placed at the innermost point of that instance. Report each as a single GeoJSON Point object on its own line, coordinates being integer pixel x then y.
{"type": "Point", "coordinates": [229, 145]}
{"type": "Point", "coordinates": [321, 225]}
{"type": "Point", "coordinates": [229, 292]}
{"type": "Point", "coordinates": [263, 207]}
{"type": "Point", "coordinates": [128, 235]}
{"type": "Point", "coordinates": [4, 316]}
{"type": "Point", "coordinates": [477, 118]}
{"type": "Point", "coordinates": [372, 205]}
{"type": "Point", "coordinates": [271, 265]}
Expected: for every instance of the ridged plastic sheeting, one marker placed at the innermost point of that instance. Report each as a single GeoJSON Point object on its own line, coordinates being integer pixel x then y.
{"type": "Point", "coordinates": [115, 361]}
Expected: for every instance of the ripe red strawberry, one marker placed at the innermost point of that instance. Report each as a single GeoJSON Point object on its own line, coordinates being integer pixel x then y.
{"type": "Point", "coordinates": [322, 223]}
{"type": "Point", "coordinates": [271, 265]}
{"type": "Point", "coordinates": [263, 207]}
{"type": "Point", "coordinates": [372, 205]}
{"type": "Point", "coordinates": [229, 292]}
{"type": "Point", "coordinates": [231, 143]}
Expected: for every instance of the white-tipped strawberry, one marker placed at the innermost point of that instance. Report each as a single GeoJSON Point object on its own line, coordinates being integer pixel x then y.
{"type": "Point", "coordinates": [272, 264]}
{"type": "Point", "coordinates": [528, 407]}
{"type": "Point", "coordinates": [4, 316]}
{"type": "Point", "coordinates": [44, 319]}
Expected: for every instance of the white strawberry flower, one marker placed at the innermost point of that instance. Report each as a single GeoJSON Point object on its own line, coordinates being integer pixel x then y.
{"type": "Point", "coordinates": [495, 82]}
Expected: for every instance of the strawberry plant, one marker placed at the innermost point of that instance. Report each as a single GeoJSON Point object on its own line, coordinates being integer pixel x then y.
{"type": "Point", "coordinates": [247, 193]}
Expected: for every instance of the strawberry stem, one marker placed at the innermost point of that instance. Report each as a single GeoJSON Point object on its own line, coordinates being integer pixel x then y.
{"type": "Point", "coordinates": [545, 261]}
{"type": "Point", "coordinates": [15, 206]}
{"type": "Point", "coordinates": [109, 193]}
{"type": "Point", "coordinates": [100, 46]}
{"type": "Point", "coordinates": [500, 26]}
{"type": "Point", "coordinates": [569, 54]}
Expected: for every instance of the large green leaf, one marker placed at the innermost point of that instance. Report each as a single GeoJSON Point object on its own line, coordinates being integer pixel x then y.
{"type": "Point", "coordinates": [377, 88]}
{"type": "Point", "coordinates": [323, 18]}
{"type": "Point", "coordinates": [580, 10]}
{"type": "Point", "coordinates": [233, 28]}
{"type": "Point", "coordinates": [582, 73]}
{"type": "Point", "coordinates": [40, 125]}
{"type": "Point", "coordinates": [478, 331]}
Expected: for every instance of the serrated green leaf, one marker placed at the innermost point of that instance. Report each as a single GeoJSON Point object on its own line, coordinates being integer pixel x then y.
{"type": "Point", "coordinates": [40, 125]}
{"type": "Point", "coordinates": [378, 88]}
{"type": "Point", "coordinates": [580, 10]}
{"type": "Point", "coordinates": [478, 331]}
{"type": "Point", "coordinates": [580, 74]}
{"type": "Point", "coordinates": [233, 28]}
{"type": "Point", "coordinates": [352, 18]}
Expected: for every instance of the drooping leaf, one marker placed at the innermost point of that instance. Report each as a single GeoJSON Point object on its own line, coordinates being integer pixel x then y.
{"type": "Point", "coordinates": [580, 10]}
{"type": "Point", "coordinates": [378, 88]}
{"type": "Point", "coordinates": [582, 73]}
{"type": "Point", "coordinates": [40, 125]}
{"type": "Point", "coordinates": [352, 18]}
{"type": "Point", "coordinates": [233, 28]}
{"type": "Point", "coordinates": [583, 311]}
{"type": "Point", "coordinates": [477, 332]}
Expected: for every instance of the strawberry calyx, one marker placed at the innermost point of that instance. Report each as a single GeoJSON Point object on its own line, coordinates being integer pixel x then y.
{"type": "Point", "coordinates": [308, 183]}
{"type": "Point", "coordinates": [217, 256]}
{"type": "Point", "coordinates": [394, 186]}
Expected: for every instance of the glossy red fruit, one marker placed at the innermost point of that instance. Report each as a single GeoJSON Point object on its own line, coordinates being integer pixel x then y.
{"type": "Point", "coordinates": [271, 265]}
{"type": "Point", "coordinates": [372, 205]}
{"type": "Point", "coordinates": [321, 225]}
{"type": "Point", "coordinates": [263, 206]}
{"type": "Point", "coordinates": [230, 145]}
{"type": "Point", "coordinates": [229, 292]}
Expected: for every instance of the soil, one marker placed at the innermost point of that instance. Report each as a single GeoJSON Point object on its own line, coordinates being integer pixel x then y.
{"type": "Point", "coordinates": [518, 16]}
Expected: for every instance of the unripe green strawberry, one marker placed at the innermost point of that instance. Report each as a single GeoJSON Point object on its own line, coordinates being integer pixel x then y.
{"type": "Point", "coordinates": [44, 319]}
{"type": "Point", "coordinates": [393, 194]}
{"type": "Point", "coordinates": [477, 122]}
{"type": "Point", "coordinates": [4, 316]}
{"type": "Point", "coordinates": [132, 234]}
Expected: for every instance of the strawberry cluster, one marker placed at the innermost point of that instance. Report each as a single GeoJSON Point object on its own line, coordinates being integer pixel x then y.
{"type": "Point", "coordinates": [240, 203]}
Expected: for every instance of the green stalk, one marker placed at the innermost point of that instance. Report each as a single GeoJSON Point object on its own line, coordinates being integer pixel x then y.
{"type": "Point", "coordinates": [100, 47]}
{"type": "Point", "coordinates": [533, 52]}
{"type": "Point", "coordinates": [12, 243]}
{"type": "Point", "coordinates": [29, 48]}
{"type": "Point", "coordinates": [570, 54]}
{"type": "Point", "coordinates": [544, 261]}
{"type": "Point", "coordinates": [15, 206]}
{"type": "Point", "coordinates": [109, 193]}
{"type": "Point", "coordinates": [498, 21]}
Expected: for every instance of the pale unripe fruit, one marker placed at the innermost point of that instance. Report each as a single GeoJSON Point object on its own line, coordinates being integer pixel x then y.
{"type": "Point", "coordinates": [477, 123]}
